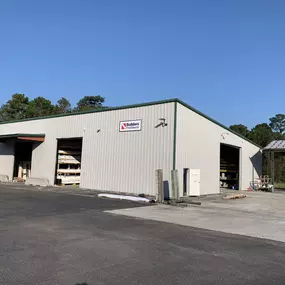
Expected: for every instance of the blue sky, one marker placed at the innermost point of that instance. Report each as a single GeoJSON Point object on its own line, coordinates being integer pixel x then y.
{"type": "Point", "coordinates": [225, 58]}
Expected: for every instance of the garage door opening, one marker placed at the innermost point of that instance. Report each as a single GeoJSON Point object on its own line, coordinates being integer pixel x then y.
{"type": "Point", "coordinates": [23, 160]}
{"type": "Point", "coordinates": [68, 168]}
{"type": "Point", "coordinates": [229, 167]}
{"type": "Point", "coordinates": [185, 181]}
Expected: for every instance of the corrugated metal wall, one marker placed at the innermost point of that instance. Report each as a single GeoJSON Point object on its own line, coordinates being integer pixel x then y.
{"type": "Point", "coordinates": [198, 147]}
{"type": "Point", "coordinates": [7, 159]}
{"type": "Point", "coordinates": [111, 160]}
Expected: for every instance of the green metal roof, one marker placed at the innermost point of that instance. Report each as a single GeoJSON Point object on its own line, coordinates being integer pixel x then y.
{"type": "Point", "coordinates": [129, 107]}
{"type": "Point", "coordinates": [93, 111]}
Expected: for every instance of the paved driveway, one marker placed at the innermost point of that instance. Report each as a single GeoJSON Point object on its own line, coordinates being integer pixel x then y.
{"type": "Point", "coordinates": [51, 238]}
{"type": "Point", "coordinates": [260, 214]}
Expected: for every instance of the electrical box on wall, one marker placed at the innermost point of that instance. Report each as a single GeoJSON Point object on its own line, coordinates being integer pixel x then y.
{"type": "Point", "coordinates": [195, 182]}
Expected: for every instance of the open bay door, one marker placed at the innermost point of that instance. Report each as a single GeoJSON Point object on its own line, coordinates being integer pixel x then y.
{"type": "Point", "coordinates": [68, 161]}
{"type": "Point", "coordinates": [194, 182]}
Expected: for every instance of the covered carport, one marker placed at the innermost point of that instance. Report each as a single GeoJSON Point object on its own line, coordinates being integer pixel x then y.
{"type": "Point", "coordinates": [274, 162]}
{"type": "Point", "coordinates": [16, 154]}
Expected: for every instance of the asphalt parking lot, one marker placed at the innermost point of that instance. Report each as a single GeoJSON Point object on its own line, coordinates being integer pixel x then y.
{"type": "Point", "coordinates": [59, 238]}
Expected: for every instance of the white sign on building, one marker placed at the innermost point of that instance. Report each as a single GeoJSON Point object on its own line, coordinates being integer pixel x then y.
{"type": "Point", "coordinates": [131, 126]}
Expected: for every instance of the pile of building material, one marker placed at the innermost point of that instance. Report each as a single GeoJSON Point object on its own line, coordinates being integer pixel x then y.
{"type": "Point", "coordinates": [69, 163]}
{"type": "Point", "coordinates": [70, 157]}
{"type": "Point", "coordinates": [24, 171]}
{"type": "Point", "coordinates": [125, 197]}
{"type": "Point", "coordinates": [233, 197]}
{"type": "Point", "coordinates": [264, 183]}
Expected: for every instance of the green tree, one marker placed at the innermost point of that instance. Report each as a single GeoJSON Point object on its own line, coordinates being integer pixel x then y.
{"type": "Point", "coordinates": [240, 129]}
{"type": "Point", "coordinates": [90, 102]}
{"type": "Point", "coordinates": [15, 108]}
{"type": "Point", "coordinates": [40, 107]}
{"type": "Point", "coordinates": [63, 106]}
{"type": "Point", "coordinates": [261, 134]}
{"type": "Point", "coordinates": [277, 123]}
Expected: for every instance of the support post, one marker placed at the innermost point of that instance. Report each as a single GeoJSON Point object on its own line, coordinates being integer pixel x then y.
{"type": "Point", "coordinates": [273, 167]}
{"type": "Point", "coordinates": [159, 186]}
{"type": "Point", "coordinates": [174, 184]}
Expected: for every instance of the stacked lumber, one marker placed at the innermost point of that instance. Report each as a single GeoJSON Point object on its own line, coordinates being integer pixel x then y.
{"type": "Point", "coordinates": [69, 159]}
{"type": "Point", "coordinates": [65, 180]}
{"type": "Point", "coordinates": [24, 170]}
{"type": "Point", "coordinates": [69, 164]}
{"type": "Point", "coordinates": [233, 197]}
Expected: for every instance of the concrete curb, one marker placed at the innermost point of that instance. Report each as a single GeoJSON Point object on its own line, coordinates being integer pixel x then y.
{"type": "Point", "coordinates": [37, 181]}
{"type": "Point", "coordinates": [183, 204]}
{"type": "Point", "coordinates": [4, 178]}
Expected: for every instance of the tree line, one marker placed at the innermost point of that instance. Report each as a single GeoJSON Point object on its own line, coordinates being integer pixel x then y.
{"type": "Point", "coordinates": [21, 107]}
{"type": "Point", "coordinates": [264, 133]}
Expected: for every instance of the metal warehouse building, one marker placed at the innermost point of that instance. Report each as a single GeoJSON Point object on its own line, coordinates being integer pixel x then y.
{"type": "Point", "coordinates": [119, 149]}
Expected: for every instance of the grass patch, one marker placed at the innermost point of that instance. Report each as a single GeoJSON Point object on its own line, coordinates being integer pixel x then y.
{"type": "Point", "coordinates": [279, 185]}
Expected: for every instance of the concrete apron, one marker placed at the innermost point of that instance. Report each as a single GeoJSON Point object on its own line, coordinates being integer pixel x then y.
{"type": "Point", "coordinates": [4, 178]}
{"type": "Point", "coordinates": [259, 215]}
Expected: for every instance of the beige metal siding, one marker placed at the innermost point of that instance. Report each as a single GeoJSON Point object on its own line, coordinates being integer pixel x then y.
{"type": "Point", "coordinates": [126, 161]}
{"type": "Point", "coordinates": [198, 147]}
{"type": "Point", "coordinates": [7, 159]}
{"type": "Point", "coordinates": [111, 160]}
